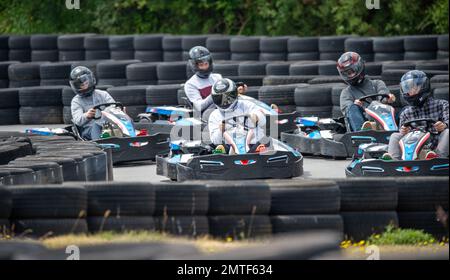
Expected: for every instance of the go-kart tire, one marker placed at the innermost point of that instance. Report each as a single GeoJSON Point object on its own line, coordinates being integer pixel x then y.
{"type": "Point", "coordinates": [73, 55]}
{"type": "Point", "coordinates": [227, 69]}
{"type": "Point", "coordinates": [420, 55]}
{"type": "Point", "coordinates": [328, 69]}
{"type": "Point", "coordinates": [359, 45]}
{"type": "Point", "coordinates": [40, 96]}
{"type": "Point", "coordinates": [303, 223]}
{"type": "Point", "coordinates": [46, 172]}
{"type": "Point", "coordinates": [361, 225]}
{"type": "Point", "coordinates": [272, 57]}
{"type": "Point", "coordinates": [426, 221]}
{"type": "Point", "coordinates": [120, 199]}
{"type": "Point", "coordinates": [286, 80]}
{"type": "Point", "coordinates": [45, 55]}
{"type": "Point", "coordinates": [273, 44]}
{"type": "Point", "coordinates": [238, 198]}
{"type": "Point", "coordinates": [24, 71]}
{"type": "Point", "coordinates": [299, 56]}
{"type": "Point", "coordinates": [316, 111]}
{"type": "Point", "coordinates": [128, 95]}
{"type": "Point", "coordinates": [41, 115]}
{"type": "Point", "coordinates": [10, 98]}
{"type": "Point", "coordinates": [38, 228]}
{"type": "Point", "coordinates": [57, 70]}
{"type": "Point", "coordinates": [368, 194]}
{"type": "Point", "coordinates": [310, 68]}
{"type": "Point", "coordinates": [441, 93]}
{"type": "Point", "coordinates": [181, 200]}
{"type": "Point", "coordinates": [245, 56]}
{"type": "Point", "coordinates": [240, 227]}
{"type": "Point", "coordinates": [303, 44]}
{"type": "Point", "coordinates": [332, 43]}
{"type": "Point", "coordinates": [114, 69]}
{"type": "Point", "coordinates": [142, 71]}
{"type": "Point", "coordinates": [97, 42]}
{"type": "Point", "coordinates": [5, 203]}
{"type": "Point", "coordinates": [98, 54]}
{"type": "Point", "coordinates": [422, 194]}
{"type": "Point", "coordinates": [162, 95]}
{"type": "Point", "coordinates": [48, 201]}
{"type": "Point", "coordinates": [312, 96]}
{"type": "Point", "coordinates": [304, 197]}
{"type": "Point", "coordinates": [421, 43]}
{"type": "Point", "coordinates": [252, 68]}
{"type": "Point", "coordinates": [280, 95]}
{"type": "Point", "coordinates": [188, 226]}
{"type": "Point", "coordinates": [120, 223]}
{"type": "Point", "coordinates": [218, 43]}
{"type": "Point", "coordinates": [171, 70]}
{"type": "Point", "coordinates": [278, 68]}
{"type": "Point", "coordinates": [379, 57]}
{"type": "Point", "coordinates": [388, 45]}
{"type": "Point", "coordinates": [241, 44]}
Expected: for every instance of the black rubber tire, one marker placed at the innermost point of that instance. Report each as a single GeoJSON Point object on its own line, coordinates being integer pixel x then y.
{"type": "Point", "coordinates": [298, 56]}
{"type": "Point", "coordinates": [336, 95]}
{"type": "Point", "coordinates": [69, 166]}
{"type": "Point", "coordinates": [277, 68]}
{"type": "Point", "coordinates": [336, 80]}
{"type": "Point", "coordinates": [319, 111]}
{"type": "Point", "coordinates": [442, 42]}
{"type": "Point", "coordinates": [5, 203]}
{"type": "Point", "coordinates": [228, 69]}
{"type": "Point", "coordinates": [388, 56]}
{"type": "Point", "coordinates": [273, 44]}
{"type": "Point", "coordinates": [328, 69]}
{"type": "Point", "coordinates": [218, 56]}
{"type": "Point", "coordinates": [39, 228]}
{"type": "Point", "coordinates": [251, 81]}
{"type": "Point", "coordinates": [272, 57]}
{"type": "Point", "coordinates": [9, 97]}
{"type": "Point", "coordinates": [4, 69]}
{"type": "Point", "coordinates": [420, 55]}
{"type": "Point", "coordinates": [245, 56]}
{"type": "Point", "coordinates": [238, 199]}
{"type": "Point", "coordinates": [253, 92]}
{"type": "Point", "coordinates": [121, 42]}
{"type": "Point", "coordinates": [388, 45]}
{"type": "Point", "coordinates": [359, 45]}
{"type": "Point", "coordinates": [58, 70]}
{"type": "Point", "coordinates": [286, 80]}
{"type": "Point", "coordinates": [171, 71]}
{"type": "Point", "coordinates": [162, 95]}
{"type": "Point", "coordinates": [172, 43]}
{"type": "Point", "coordinates": [32, 202]}
{"type": "Point", "coordinates": [312, 96]}
{"type": "Point", "coordinates": [72, 55]}
{"type": "Point", "coordinates": [149, 56]}
{"type": "Point", "coordinates": [426, 221]}
{"type": "Point", "coordinates": [19, 42]}
{"type": "Point", "coordinates": [122, 55]}
{"type": "Point", "coordinates": [279, 95]}
{"type": "Point", "coordinates": [19, 55]}
{"type": "Point", "coordinates": [392, 77]}
{"type": "Point", "coordinates": [4, 84]}
{"type": "Point", "coordinates": [120, 199]}
{"type": "Point", "coordinates": [142, 71]}
{"type": "Point", "coordinates": [398, 65]}
{"type": "Point", "coordinates": [190, 41]}
{"type": "Point", "coordinates": [72, 42]}
{"type": "Point", "coordinates": [240, 227]}
{"type": "Point", "coordinates": [171, 82]}
{"type": "Point", "coordinates": [361, 225]}
{"type": "Point", "coordinates": [141, 83]}
{"type": "Point", "coordinates": [422, 194]}
{"type": "Point", "coordinates": [45, 55]}
{"type": "Point", "coordinates": [374, 68]}
{"type": "Point", "coordinates": [368, 194]}
{"type": "Point", "coordinates": [305, 197]}
{"type": "Point", "coordinates": [97, 42]}
{"type": "Point", "coordinates": [304, 223]}
{"type": "Point", "coordinates": [439, 79]}
{"type": "Point", "coordinates": [54, 82]}
{"type": "Point", "coordinates": [442, 55]}
{"type": "Point", "coordinates": [4, 54]}
{"type": "Point", "coordinates": [44, 42]}
{"type": "Point", "coordinates": [188, 226]}
{"type": "Point", "coordinates": [9, 153]}
{"type": "Point", "coordinates": [172, 56]}
{"type": "Point", "coordinates": [441, 93]}
{"type": "Point", "coordinates": [112, 82]}
{"type": "Point", "coordinates": [67, 95]}
{"type": "Point", "coordinates": [4, 42]}
{"type": "Point", "coordinates": [24, 71]}
{"type": "Point", "coordinates": [41, 115]}
{"type": "Point", "coordinates": [218, 44]}
{"type": "Point", "coordinates": [9, 116]}
{"type": "Point", "coordinates": [332, 44]}
{"type": "Point", "coordinates": [309, 68]}
{"type": "Point", "coordinates": [181, 200]}
{"type": "Point", "coordinates": [40, 96]}
{"type": "Point", "coordinates": [421, 43]}
{"type": "Point", "coordinates": [303, 44]}
{"type": "Point", "coordinates": [151, 42]}
{"type": "Point", "coordinates": [67, 115]}
{"type": "Point", "coordinates": [21, 176]}
{"type": "Point", "coordinates": [441, 65]}
{"type": "Point", "coordinates": [120, 224]}
{"type": "Point", "coordinates": [241, 44]}
{"type": "Point", "coordinates": [330, 55]}
{"type": "Point", "coordinates": [24, 83]}
{"type": "Point", "coordinates": [128, 95]}
{"type": "Point", "coordinates": [97, 54]}
{"type": "Point", "coordinates": [113, 69]}
{"type": "Point", "coordinates": [252, 69]}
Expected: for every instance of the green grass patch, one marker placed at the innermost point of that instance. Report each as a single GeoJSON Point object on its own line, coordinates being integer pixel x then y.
{"type": "Point", "coordinates": [398, 236]}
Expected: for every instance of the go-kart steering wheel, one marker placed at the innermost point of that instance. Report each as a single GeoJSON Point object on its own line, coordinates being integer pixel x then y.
{"type": "Point", "coordinates": [103, 106]}
{"type": "Point", "coordinates": [416, 123]}
{"type": "Point", "coordinates": [372, 97]}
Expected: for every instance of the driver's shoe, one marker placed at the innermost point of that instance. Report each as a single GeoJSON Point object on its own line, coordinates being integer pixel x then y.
{"type": "Point", "coordinates": [220, 149]}
{"type": "Point", "coordinates": [387, 157]}
{"type": "Point", "coordinates": [367, 126]}
{"type": "Point", "coordinates": [431, 155]}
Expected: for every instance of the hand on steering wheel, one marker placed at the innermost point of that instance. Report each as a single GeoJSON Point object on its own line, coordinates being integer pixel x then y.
{"type": "Point", "coordinates": [103, 106]}
{"type": "Point", "coordinates": [369, 98]}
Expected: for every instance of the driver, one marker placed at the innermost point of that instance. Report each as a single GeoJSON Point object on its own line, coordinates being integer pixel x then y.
{"type": "Point", "coordinates": [415, 88]}
{"type": "Point", "coordinates": [225, 97]}
{"type": "Point", "coordinates": [351, 68]}
{"type": "Point", "coordinates": [82, 82]}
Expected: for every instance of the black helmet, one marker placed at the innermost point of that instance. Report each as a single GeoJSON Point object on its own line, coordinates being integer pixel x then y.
{"type": "Point", "coordinates": [418, 81]}
{"type": "Point", "coordinates": [82, 81]}
{"type": "Point", "coordinates": [224, 93]}
{"type": "Point", "coordinates": [351, 68]}
{"type": "Point", "coordinates": [200, 54]}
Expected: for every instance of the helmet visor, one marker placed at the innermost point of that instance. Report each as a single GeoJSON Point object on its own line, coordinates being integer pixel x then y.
{"type": "Point", "coordinates": [412, 86]}
{"type": "Point", "coordinates": [223, 101]}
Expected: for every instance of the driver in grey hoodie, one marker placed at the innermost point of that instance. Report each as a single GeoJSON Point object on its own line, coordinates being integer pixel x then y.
{"type": "Point", "coordinates": [82, 82]}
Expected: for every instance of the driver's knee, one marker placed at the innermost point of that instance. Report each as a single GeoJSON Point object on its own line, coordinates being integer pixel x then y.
{"type": "Point", "coordinates": [443, 146]}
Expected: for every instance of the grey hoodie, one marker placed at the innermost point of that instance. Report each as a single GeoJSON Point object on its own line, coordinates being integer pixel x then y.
{"type": "Point", "coordinates": [81, 105]}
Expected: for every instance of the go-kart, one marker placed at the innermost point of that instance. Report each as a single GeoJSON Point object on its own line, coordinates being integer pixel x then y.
{"type": "Point", "coordinates": [196, 160]}
{"type": "Point", "coordinates": [329, 137]}
{"type": "Point", "coordinates": [414, 147]}
{"type": "Point", "coordinates": [119, 134]}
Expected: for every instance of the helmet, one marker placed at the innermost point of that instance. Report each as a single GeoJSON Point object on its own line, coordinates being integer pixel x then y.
{"type": "Point", "coordinates": [200, 54]}
{"type": "Point", "coordinates": [224, 94]}
{"type": "Point", "coordinates": [415, 87]}
{"type": "Point", "coordinates": [82, 81]}
{"type": "Point", "coordinates": [351, 68]}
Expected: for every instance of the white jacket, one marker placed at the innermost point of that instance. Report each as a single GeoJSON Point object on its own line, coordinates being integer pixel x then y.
{"type": "Point", "coordinates": [198, 91]}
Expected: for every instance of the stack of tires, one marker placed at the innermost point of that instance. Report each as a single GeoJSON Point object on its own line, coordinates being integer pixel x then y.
{"type": "Point", "coordinates": [162, 95]}
{"type": "Point", "coordinates": [239, 211]}
{"type": "Point", "coordinates": [148, 48]}
{"type": "Point", "coordinates": [59, 210]}
{"type": "Point", "coordinates": [41, 105]}
{"type": "Point", "coordinates": [219, 46]}
{"type": "Point", "coordinates": [97, 47]}
{"type": "Point", "coordinates": [336, 101]}
{"type": "Point", "coordinates": [368, 206]}
{"type": "Point", "coordinates": [24, 74]}
{"type": "Point", "coordinates": [14, 176]}
{"type": "Point", "coordinates": [314, 100]}
{"type": "Point", "coordinates": [388, 48]}
{"type": "Point", "coordinates": [4, 48]}
{"type": "Point", "coordinates": [120, 207]}
{"type": "Point", "coordinates": [273, 48]}
{"type": "Point", "coordinates": [132, 97]}
{"type": "Point", "coordinates": [5, 208]}
{"type": "Point", "coordinates": [172, 46]}
{"type": "Point", "coordinates": [44, 48]}
{"type": "Point", "coordinates": [142, 74]}
{"type": "Point", "coordinates": [303, 48]}
{"type": "Point", "coordinates": [439, 84]}
{"type": "Point", "coordinates": [113, 73]}
{"type": "Point", "coordinates": [282, 95]}
{"type": "Point", "coordinates": [331, 47]}
{"type": "Point", "coordinates": [442, 47]}
{"type": "Point", "coordinates": [56, 73]}
{"type": "Point", "coordinates": [420, 47]}
{"type": "Point", "coordinates": [278, 68]}
{"type": "Point", "coordinates": [9, 107]}
{"type": "Point", "coordinates": [170, 73]}
{"type": "Point", "coordinates": [191, 41]}
{"type": "Point", "coordinates": [121, 47]}
{"type": "Point", "coordinates": [19, 48]}
{"type": "Point", "coordinates": [362, 46]}
{"type": "Point", "coordinates": [14, 147]}
{"type": "Point", "coordinates": [251, 73]}
{"type": "Point", "coordinates": [244, 48]}
{"type": "Point", "coordinates": [418, 202]}
{"type": "Point", "coordinates": [71, 47]}
{"type": "Point", "coordinates": [305, 206]}
{"type": "Point", "coordinates": [180, 209]}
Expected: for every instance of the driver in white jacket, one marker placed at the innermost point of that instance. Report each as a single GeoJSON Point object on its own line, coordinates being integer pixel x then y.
{"type": "Point", "coordinates": [225, 97]}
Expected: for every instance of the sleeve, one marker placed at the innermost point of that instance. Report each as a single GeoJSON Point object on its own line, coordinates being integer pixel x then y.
{"type": "Point", "coordinates": [346, 100]}
{"type": "Point", "coordinates": [404, 116]}
{"type": "Point", "coordinates": [445, 113]}
{"type": "Point", "coordinates": [381, 87]}
{"type": "Point", "coordinates": [194, 96]}
{"type": "Point", "coordinates": [108, 98]}
{"type": "Point", "coordinates": [215, 134]}
{"type": "Point", "coordinates": [78, 117]}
